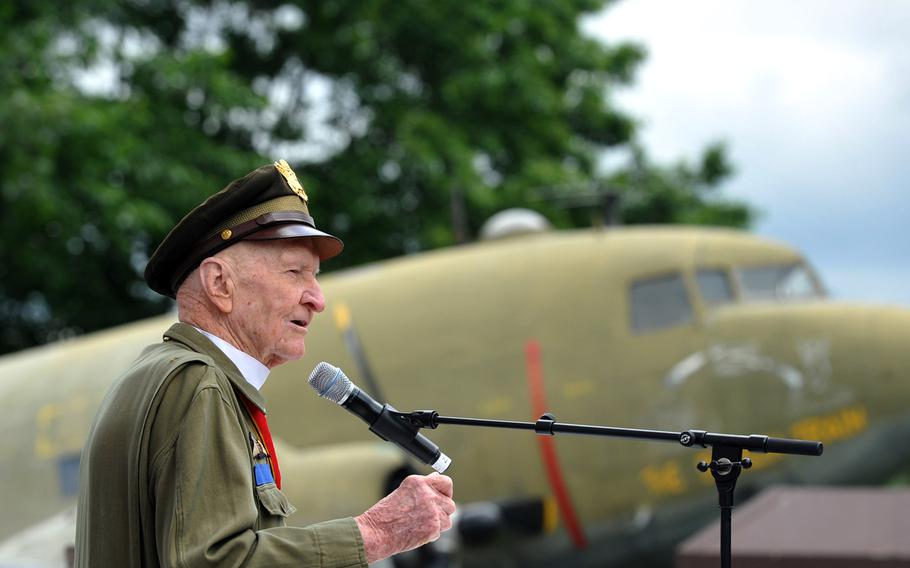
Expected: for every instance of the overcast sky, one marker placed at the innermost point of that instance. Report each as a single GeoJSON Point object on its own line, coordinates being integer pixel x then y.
{"type": "Point", "coordinates": [813, 98]}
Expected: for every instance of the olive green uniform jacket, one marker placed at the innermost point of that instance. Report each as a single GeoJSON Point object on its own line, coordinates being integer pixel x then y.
{"type": "Point", "coordinates": [167, 473]}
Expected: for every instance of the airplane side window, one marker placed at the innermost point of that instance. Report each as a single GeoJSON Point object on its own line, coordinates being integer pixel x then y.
{"type": "Point", "coordinates": [658, 303]}
{"type": "Point", "coordinates": [777, 282]}
{"type": "Point", "coordinates": [714, 287]}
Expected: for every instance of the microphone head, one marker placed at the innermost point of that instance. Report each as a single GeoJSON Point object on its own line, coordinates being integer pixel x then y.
{"type": "Point", "coordinates": [331, 383]}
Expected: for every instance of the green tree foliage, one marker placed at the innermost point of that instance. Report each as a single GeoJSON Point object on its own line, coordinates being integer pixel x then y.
{"type": "Point", "coordinates": [409, 122]}
{"type": "Point", "coordinates": [680, 193]}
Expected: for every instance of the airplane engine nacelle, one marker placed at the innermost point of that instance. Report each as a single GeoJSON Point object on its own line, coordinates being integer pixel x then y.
{"type": "Point", "coordinates": [341, 480]}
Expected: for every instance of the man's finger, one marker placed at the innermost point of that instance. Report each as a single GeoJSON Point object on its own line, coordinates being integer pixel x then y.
{"type": "Point", "coordinates": [441, 483]}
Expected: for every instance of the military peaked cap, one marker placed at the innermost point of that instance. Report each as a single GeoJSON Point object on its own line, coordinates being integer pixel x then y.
{"type": "Point", "coordinates": [268, 203]}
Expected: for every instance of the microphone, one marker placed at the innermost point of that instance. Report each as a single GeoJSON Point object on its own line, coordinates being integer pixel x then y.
{"type": "Point", "coordinates": [331, 383]}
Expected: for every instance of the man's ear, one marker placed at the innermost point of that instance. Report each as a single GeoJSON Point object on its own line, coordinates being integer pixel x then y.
{"type": "Point", "coordinates": [218, 283]}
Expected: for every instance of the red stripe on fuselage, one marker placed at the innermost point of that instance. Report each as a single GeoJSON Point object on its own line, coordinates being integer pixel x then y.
{"type": "Point", "coordinates": [548, 448]}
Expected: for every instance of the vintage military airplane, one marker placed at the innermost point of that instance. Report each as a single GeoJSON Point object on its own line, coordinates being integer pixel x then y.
{"type": "Point", "coordinates": [666, 328]}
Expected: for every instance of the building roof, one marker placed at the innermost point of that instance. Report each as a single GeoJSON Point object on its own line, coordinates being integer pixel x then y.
{"type": "Point", "coordinates": [812, 526]}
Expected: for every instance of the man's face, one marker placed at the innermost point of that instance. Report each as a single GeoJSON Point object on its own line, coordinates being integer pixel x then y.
{"type": "Point", "coordinates": [276, 297]}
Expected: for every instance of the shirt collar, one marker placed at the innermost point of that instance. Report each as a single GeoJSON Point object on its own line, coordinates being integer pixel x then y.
{"type": "Point", "coordinates": [253, 371]}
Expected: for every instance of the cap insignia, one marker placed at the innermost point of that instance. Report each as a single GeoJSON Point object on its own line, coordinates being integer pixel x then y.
{"type": "Point", "coordinates": [289, 176]}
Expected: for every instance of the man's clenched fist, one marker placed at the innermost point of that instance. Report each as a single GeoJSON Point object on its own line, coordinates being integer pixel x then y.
{"type": "Point", "coordinates": [412, 515]}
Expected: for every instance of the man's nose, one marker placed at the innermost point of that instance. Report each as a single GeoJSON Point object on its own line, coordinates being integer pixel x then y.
{"type": "Point", "coordinates": [313, 297]}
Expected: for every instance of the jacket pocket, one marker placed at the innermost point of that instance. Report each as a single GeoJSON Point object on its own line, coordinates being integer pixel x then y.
{"type": "Point", "coordinates": [274, 501]}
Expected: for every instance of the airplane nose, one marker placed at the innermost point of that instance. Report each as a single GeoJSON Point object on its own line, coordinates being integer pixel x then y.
{"type": "Point", "coordinates": [869, 354]}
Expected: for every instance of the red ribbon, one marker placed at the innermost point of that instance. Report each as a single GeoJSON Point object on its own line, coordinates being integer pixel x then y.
{"type": "Point", "coordinates": [263, 426]}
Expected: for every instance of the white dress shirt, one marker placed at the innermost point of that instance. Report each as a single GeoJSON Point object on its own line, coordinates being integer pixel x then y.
{"type": "Point", "coordinates": [253, 371]}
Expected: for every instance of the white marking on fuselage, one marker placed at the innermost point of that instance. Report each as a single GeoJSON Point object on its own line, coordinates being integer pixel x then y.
{"type": "Point", "coordinates": [685, 369]}
{"type": "Point", "coordinates": [733, 361]}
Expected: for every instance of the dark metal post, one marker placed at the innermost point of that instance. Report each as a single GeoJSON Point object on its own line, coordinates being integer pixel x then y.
{"type": "Point", "coordinates": [726, 464]}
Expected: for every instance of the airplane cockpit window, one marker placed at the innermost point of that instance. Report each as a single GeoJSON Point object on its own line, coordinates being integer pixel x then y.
{"type": "Point", "coordinates": [714, 286]}
{"type": "Point", "coordinates": [777, 282]}
{"type": "Point", "coordinates": [658, 303]}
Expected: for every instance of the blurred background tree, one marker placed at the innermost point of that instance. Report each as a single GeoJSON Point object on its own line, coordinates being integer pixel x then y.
{"type": "Point", "coordinates": [409, 122]}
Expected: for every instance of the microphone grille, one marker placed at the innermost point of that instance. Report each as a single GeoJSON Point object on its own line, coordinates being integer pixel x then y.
{"type": "Point", "coordinates": [330, 382]}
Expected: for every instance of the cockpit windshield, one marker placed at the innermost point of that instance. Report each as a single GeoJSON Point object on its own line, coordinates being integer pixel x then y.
{"type": "Point", "coordinates": [777, 282]}
{"type": "Point", "coordinates": [663, 301]}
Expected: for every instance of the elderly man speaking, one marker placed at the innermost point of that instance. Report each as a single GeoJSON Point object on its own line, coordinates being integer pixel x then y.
{"type": "Point", "coordinates": [179, 469]}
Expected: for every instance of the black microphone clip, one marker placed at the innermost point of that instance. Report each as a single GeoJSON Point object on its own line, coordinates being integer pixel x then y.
{"type": "Point", "coordinates": [416, 419]}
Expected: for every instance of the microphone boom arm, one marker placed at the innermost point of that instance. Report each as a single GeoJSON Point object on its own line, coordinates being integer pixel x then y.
{"type": "Point", "coordinates": [547, 425]}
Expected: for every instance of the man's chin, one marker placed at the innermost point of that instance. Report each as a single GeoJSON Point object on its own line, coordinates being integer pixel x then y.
{"type": "Point", "coordinates": [286, 357]}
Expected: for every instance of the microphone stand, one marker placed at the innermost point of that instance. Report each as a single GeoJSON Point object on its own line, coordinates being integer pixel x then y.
{"type": "Point", "coordinates": [726, 463]}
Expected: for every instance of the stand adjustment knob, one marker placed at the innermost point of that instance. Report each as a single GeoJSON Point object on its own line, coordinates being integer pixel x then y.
{"type": "Point", "coordinates": [723, 466]}
{"type": "Point", "coordinates": [544, 425]}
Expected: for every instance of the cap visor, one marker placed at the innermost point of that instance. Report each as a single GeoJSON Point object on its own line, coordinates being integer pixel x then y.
{"type": "Point", "coordinates": [327, 246]}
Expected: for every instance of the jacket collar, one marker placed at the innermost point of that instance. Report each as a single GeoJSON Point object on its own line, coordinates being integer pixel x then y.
{"type": "Point", "coordinates": [187, 335]}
